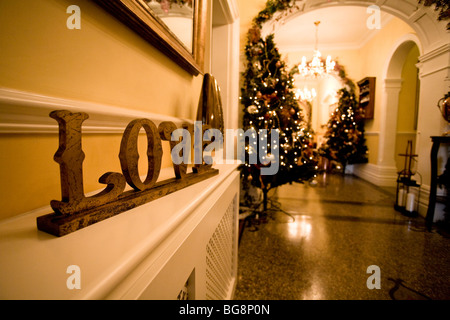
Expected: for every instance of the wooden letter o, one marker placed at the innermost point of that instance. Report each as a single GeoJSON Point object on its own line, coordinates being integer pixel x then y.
{"type": "Point", "coordinates": [129, 154]}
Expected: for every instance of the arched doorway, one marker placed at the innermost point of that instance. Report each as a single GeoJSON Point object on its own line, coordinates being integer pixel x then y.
{"type": "Point", "coordinates": [224, 59]}
{"type": "Point", "coordinates": [407, 117]}
{"type": "Point", "coordinates": [392, 114]}
{"type": "Point", "coordinates": [432, 39]}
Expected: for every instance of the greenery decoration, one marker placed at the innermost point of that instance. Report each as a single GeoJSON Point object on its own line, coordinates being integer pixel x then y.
{"type": "Point", "coordinates": [270, 103]}
{"type": "Point", "coordinates": [345, 135]}
{"type": "Point", "coordinates": [443, 6]}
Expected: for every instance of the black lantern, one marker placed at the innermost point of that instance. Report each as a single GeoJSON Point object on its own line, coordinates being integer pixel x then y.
{"type": "Point", "coordinates": [408, 188]}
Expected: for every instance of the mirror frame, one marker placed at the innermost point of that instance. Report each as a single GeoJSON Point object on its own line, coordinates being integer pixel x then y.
{"type": "Point", "coordinates": [135, 16]}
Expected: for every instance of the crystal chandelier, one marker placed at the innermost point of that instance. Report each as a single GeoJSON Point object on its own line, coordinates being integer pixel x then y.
{"type": "Point", "coordinates": [306, 94]}
{"type": "Point", "coordinates": [316, 68]}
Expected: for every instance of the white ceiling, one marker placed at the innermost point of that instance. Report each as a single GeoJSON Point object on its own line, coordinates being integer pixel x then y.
{"type": "Point", "coordinates": [341, 27]}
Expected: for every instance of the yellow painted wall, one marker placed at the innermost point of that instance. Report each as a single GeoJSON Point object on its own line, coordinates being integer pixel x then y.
{"type": "Point", "coordinates": [104, 62]}
{"type": "Point", "coordinates": [375, 57]}
{"type": "Point", "coordinates": [406, 122]}
{"type": "Point", "coordinates": [248, 9]}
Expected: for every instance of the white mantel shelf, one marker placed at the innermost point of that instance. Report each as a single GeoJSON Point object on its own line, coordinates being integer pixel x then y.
{"type": "Point", "coordinates": [118, 257]}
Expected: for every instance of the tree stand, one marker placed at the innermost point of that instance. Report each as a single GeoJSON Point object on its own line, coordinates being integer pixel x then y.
{"type": "Point", "coordinates": [265, 191]}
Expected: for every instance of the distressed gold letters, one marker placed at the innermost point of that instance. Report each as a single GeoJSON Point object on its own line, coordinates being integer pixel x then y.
{"type": "Point", "coordinates": [76, 211]}
{"type": "Point", "coordinates": [70, 157]}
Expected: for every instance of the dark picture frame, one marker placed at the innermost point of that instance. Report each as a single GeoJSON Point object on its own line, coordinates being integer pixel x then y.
{"type": "Point", "coordinates": [136, 15]}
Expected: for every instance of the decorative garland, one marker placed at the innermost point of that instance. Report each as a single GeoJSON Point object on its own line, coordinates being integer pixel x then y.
{"type": "Point", "coordinates": [286, 6]}
{"type": "Point", "coordinates": [443, 6]}
{"type": "Point", "coordinates": [273, 6]}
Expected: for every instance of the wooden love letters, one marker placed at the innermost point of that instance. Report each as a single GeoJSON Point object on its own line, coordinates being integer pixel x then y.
{"type": "Point", "coordinates": [76, 211]}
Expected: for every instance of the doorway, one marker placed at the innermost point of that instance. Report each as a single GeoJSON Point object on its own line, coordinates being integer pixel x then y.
{"type": "Point", "coordinates": [407, 117]}
{"type": "Point", "coordinates": [225, 57]}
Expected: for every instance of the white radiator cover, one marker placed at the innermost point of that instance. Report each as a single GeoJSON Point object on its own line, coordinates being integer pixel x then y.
{"type": "Point", "coordinates": [221, 256]}
{"type": "Point", "coordinates": [183, 245]}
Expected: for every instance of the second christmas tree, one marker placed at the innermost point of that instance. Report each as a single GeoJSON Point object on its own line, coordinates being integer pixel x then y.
{"type": "Point", "coordinates": [345, 142]}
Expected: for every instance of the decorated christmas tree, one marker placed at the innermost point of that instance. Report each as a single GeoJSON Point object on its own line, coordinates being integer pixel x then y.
{"type": "Point", "coordinates": [269, 102]}
{"type": "Point", "coordinates": [345, 142]}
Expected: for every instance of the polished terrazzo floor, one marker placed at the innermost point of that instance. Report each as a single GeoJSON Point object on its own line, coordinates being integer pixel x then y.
{"type": "Point", "coordinates": [322, 245]}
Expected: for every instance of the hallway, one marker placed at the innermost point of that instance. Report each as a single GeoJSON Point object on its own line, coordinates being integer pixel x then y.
{"type": "Point", "coordinates": [321, 246]}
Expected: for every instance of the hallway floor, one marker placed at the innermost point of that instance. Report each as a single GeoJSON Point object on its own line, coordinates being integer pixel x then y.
{"type": "Point", "coordinates": [321, 246]}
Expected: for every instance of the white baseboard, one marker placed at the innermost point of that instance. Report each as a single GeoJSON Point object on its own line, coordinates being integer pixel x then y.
{"type": "Point", "coordinates": [387, 177]}
{"type": "Point", "coordinates": [379, 176]}
{"type": "Point", "coordinates": [27, 112]}
{"type": "Point", "coordinates": [424, 200]}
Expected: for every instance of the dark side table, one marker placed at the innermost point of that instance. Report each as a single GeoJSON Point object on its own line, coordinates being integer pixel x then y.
{"type": "Point", "coordinates": [437, 141]}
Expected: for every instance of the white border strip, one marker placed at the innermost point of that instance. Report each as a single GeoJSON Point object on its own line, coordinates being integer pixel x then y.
{"type": "Point", "coordinates": [26, 112]}
{"type": "Point", "coordinates": [380, 176]}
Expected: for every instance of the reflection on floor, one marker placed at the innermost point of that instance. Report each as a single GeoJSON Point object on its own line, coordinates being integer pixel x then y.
{"type": "Point", "coordinates": [321, 246]}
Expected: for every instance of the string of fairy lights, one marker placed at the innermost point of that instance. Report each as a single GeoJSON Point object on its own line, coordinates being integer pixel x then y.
{"type": "Point", "coordinates": [265, 114]}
